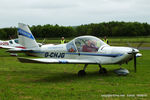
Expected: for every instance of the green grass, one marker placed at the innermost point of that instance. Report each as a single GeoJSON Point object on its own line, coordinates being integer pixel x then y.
{"type": "Point", "coordinates": [20, 81]}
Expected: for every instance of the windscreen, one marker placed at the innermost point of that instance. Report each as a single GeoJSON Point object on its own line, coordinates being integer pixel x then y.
{"type": "Point", "coordinates": [88, 44]}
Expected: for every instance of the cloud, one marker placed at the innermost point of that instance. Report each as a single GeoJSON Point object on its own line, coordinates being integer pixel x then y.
{"type": "Point", "coordinates": [36, 4]}
{"type": "Point", "coordinates": [72, 12]}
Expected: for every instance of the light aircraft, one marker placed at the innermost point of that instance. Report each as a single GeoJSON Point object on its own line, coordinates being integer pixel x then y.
{"type": "Point", "coordinates": [81, 50]}
{"type": "Point", "coordinates": [12, 44]}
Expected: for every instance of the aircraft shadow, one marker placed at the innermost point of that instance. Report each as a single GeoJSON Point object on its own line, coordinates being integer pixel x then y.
{"type": "Point", "coordinates": [55, 77]}
{"type": "Point", "coordinates": [67, 77]}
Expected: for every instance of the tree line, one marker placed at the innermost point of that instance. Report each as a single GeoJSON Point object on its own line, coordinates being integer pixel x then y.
{"type": "Point", "coordinates": [96, 29]}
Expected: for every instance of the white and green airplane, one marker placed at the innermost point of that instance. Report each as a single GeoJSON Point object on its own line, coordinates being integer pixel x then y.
{"type": "Point", "coordinates": [81, 50]}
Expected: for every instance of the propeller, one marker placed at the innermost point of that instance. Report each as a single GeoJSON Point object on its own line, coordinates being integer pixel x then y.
{"type": "Point", "coordinates": [43, 41]}
{"type": "Point", "coordinates": [134, 52]}
{"type": "Point", "coordinates": [129, 44]}
{"type": "Point", "coordinates": [134, 57]}
{"type": "Point", "coordinates": [135, 63]}
{"type": "Point", "coordinates": [138, 46]}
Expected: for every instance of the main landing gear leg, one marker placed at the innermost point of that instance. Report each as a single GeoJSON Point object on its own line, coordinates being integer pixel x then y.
{"type": "Point", "coordinates": [82, 72]}
{"type": "Point", "coordinates": [102, 70]}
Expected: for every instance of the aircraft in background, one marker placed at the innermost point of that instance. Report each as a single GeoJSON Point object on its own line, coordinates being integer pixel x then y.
{"type": "Point", "coordinates": [81, 50]}
{"type": "Point", "coordinates": [12, 44]}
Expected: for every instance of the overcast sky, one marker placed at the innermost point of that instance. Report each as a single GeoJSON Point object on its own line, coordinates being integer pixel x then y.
{"type": "Point", "coordinates": [72, 12]}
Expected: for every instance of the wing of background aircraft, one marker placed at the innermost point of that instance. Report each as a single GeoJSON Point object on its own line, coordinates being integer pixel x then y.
{"type": "Point", "coordinates": [57, 61]}
{"type": "Point", "coordinates": [7, 47]}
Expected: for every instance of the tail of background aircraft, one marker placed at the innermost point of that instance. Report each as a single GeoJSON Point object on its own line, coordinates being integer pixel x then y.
{"type": "Point", "coordinates": [25, 37]}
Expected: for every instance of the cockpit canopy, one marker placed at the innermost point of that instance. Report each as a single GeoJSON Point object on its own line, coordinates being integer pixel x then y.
{"type": "Point", "coordinates": [15, 41]}
{"type": "Point", "coordinates": [85, 44]}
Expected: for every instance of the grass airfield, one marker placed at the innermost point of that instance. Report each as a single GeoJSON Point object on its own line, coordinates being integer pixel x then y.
{"type": "Point", "coordinates": [20, 81]}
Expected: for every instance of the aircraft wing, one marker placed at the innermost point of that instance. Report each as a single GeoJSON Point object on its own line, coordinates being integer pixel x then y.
{"type": "Point", "coordinates": [57, 61]}
{"type": "Point", "coordinates": [6, 47]}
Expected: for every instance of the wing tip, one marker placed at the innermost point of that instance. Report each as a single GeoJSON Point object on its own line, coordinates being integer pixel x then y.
{"type": "Point", "coordinates": [23, 60]}
{"type": "Point", "coordinates": [26, 60]}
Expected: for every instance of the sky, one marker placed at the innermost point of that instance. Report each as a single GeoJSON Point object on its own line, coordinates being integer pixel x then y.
{"type": "Point", "coordinates": [72, 12]}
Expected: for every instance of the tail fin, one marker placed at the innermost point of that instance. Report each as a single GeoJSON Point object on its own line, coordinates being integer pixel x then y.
{"type": "Point", "coordinates": [25, 36]}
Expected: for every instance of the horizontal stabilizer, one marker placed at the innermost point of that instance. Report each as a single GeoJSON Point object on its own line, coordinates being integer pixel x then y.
{"type": "Point", "coordinates": [19, 50]}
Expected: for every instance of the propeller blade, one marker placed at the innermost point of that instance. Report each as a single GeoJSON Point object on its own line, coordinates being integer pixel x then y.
{"type": "Point", "coordinates": [43, 41]}
{"type": "Point", "coordinates": [139, 45]}
{"type": "Point", "coordinates": [129, 44]}
{"type": "Point", "coordinates": [134, 62]}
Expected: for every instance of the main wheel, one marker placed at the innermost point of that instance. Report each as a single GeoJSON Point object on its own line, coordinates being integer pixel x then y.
{"type": "Point", "coordinates": [102, 71]}
{"type": "Point", "coordinates": [81, 73]}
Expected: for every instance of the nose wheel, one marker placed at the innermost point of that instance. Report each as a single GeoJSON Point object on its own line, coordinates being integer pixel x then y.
{"type": "Point", "coordinates": [81, 73]}
{"type": "Point", "coordinates": [102, 70]}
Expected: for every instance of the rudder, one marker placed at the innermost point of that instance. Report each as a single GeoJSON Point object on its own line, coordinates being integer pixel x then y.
{"type": "Point", "coordinates": [26, 37]}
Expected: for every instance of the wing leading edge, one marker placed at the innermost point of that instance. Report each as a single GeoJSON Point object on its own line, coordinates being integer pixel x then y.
{"type": "Point", "coordinates": [57, 61]}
